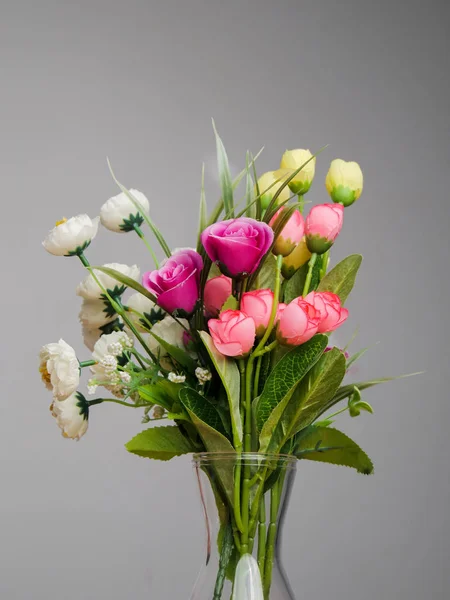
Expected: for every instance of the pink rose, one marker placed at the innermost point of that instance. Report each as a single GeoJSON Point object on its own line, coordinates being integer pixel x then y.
{"type": "Point", "coordinates": [280, 309]}
{"type": "Point", "coordinates": [298, 323]}
{"type": "Point", "coordinates": [233, 333]}
{"type": "Point", "coordinates": [258, 305]}
{"type": "Point", "coordinates": [332, 314]}
{"type": "Point", "coordinates": [237, 245]}
{"type": "Point", "coordinates": [176, 283]}
{"type": "Point", "coordinates": [217, 291]}
{"type": "Point", "coordinates": [322, 226]}
{"type": "Point", "coordinates": [291, 234]}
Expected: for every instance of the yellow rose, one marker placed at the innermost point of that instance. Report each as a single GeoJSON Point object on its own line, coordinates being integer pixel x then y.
{"type": "Point", "coordinates": [292, 160]}
{"type": "Point", "coordinates": [267, 181]}
{"type": "Point", "coordinates": [296, 259]}
{"type": "Point", "coordinates": [344, 181]}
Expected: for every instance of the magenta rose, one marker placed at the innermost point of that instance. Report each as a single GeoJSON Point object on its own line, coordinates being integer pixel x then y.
{"type": "Point", "coordinates": [322, 226]}
{"type": "Point", "coordinates": [176, 283]}
{"type": "Point", "coordinates": [332, 314]}
{"type": "Point", "coordinates": [237, 245]}
{"type": "Point", "coordinates": [233, 333]}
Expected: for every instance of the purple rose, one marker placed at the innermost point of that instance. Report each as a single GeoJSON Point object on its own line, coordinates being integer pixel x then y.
{"type": "Point", "coordinates": [176, 283]}
{"type": "Point", "coordinates": [238, 245]}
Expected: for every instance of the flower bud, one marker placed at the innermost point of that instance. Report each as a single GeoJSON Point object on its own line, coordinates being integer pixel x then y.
{"type": "Point", "coordinates": [267, 181]}
{"type": "Point", "coordinates": [344, 181]}
{"type": "Point", "coordinates": [258, 305]}
{"type": "Point", "coordinates": [299, 256]}
{"type": "Point", "coordinates": [292, 160]}
{"type": "Point", "coordinates": [322, 226]}
{"type": "Point", "coordinates": [291, 233]}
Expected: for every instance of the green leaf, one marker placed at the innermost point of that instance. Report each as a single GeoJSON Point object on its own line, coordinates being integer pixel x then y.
{"type": "Point", "coordinates": [131, 283]}
{"type": "Point", "coordinates": [178, 354]}
{"type": "Point", "coordinates": [163, 392]}
{"type": "Point", "coordinates": [230, 304]}
{"type": "Point", "coordinates": [161, 443]}
{"type": "Point", "coordinates": [281, 384]}
{"type": "Point", "coordinates": [266, 274]}
{"type": "Point", "coordinates": [325, 444]}
{"type": "Point", "coordinates": [249, 191]}
{"type": "Point", "coordinates": [203, 211]}
{"type": "Point", "coordinates": [341, 279]}
{"type": "Point", "coordinates": [202, 408]}
{"type": "Point", "coordinates": [314, 392]}
{"type": "Point", "coordinates": [294, 286]}
{"type": "Point", "coordinates": [224, 174]}
{"type": "Point", "coordinates": [229, 375]}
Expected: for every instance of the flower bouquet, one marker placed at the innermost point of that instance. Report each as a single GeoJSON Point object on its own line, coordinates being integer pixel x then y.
{"type": "Point", "coordinates": [229, 343]}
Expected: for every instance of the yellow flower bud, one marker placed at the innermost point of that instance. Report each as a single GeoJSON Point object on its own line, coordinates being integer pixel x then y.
{"type": "Point", "coordinates": [296, 259]}
{"type": "Point", "coordinates": [344, 181]}
{"type": "Point", "coordinates": [292, 160]}
{"type": "Point", "coordinates": [267, 181]}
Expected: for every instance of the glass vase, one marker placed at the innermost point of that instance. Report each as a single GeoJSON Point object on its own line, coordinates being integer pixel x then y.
{"type": "Point", "coordinates": [244, 499]}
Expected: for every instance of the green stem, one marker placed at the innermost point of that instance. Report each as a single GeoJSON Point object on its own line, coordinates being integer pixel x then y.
{"type": "Point", "coordinates": [271, 537]}
{"type": "Point", "coordinates": [257, 374]}
{"type": "Point", "coordinates": [312, 262]}
{"type": "Point", "coordinates": [301, 203]}
{"type": "Point", "coordinates": [121, 402]}
{"type": "Point", "coordinates": [87, 363]}
{"type": "Point", "coordinates": [273, 314]}
{"type": "Point", "coordinates": [140, 233]}
{"type": "Point", "coordinates": [262, 536]}
{"type": "Point", "coordinates": [324, 266]}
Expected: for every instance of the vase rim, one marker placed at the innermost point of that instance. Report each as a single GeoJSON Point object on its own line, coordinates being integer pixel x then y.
{"type": "Point", "coordinates": [247, 457]}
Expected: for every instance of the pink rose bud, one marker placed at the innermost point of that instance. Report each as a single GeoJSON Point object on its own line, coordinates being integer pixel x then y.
{"type": "Point", "coordinates": [217, 291]}
{"type": "Point", "coordinates": [237, 245]}
{"type": "Point", "coordinates": [322, 226]}
{"type": "Point", "coordinates": [258, 305]}
{"type": "Point", "coordinates": [280, 309]}
{"type": "Point", "coordinates": [332, 314]}
{"type": "Point", "coordinates": [298, 323]}
{"type": "Point", "coordinates": [233, 333]}
{"type": "Point", "coordinates": [291, 233]}
{"type": "Point", "coordinates": [176, 283]}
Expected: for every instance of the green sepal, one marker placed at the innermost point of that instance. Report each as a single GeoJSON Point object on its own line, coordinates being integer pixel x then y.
{"type": "Point", "coordinates": [133, 221]}
{"type": "Point", "coordinates": [231, 303]}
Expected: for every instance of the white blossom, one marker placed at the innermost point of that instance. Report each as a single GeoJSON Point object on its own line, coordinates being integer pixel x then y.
{"type": "Point", "coordinates": [71, 236]}
{"type": "Point", "coordinates": [203, 375]}
{"type": "Point", "coordinates": [89, 288]}
{"type": "Point", "coordinates": [71, 415]}
{"type": "Point", "coordinates": [142, 305]}
{"type": "Point", "coordinates": [60, 369]}
{"type": "Point", "coordinates": [125, 377]}
{"type": "Point", "coordinates": [105, 369]}
{"type": "Point", "coordinates": [170, 331]}
{"type": "Point", "coordinates": [119, 213]}
{"type": "Point", "coordinates": [95, 313]}
{"type": "Point", "coordinates": [174, 378]}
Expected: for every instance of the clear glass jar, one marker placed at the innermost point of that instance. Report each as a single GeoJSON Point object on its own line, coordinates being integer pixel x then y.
{"type": "Point", "coordinates": [244, 499]}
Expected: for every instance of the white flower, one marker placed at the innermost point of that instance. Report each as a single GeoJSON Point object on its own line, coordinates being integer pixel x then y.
{"type": "Point", "coordinates": [71, 236]}
{"type": "Point", "coordinates": [203, 375]}
{"type": "Point", "coordinates": [95, 313]}
{"type": "Point", "coordinates": [174, 378]}
{"type": "Point", "coordinates": [72, 415]}
{"type": "Point", "coordinates": [119, 213]}
{"type": "Point", "coordinates": [106, 368]}
{"type": "Point", "coordinates": [92, 387]}
{"type": "Point", "coordinates": [90, 290]}
{"type": "Point", "coordinates": [125, 377]}
{"type": "Point", "coordinates": [60, 369]}
{"type": "Point", "coordinates": [170, 331]}
{"type": "Point", "coordinates": [144, 306]}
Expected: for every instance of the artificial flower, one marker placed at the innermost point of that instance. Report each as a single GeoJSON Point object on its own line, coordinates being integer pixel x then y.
{"type": "Point", "coordinates": [171, 331]}
{"type": "Point", "coordinates": [332, 314]}
{"type": "Point", "coordinates": [258, 305]}
{"type": "Point", "coordinates": [299, 256]}
{"type": "Point", "coordinates": [71, 236]}
{"type": "Point", "coordinates": [120, 214]}
{"type": "Point", "coordinates": [108, 351]}
{"type": "Point", "coordinates": [91, 333]}
{"type": "Point", "coordinates": [291, 234]}
{"type": "Point", "coordinates": [217, 291]}
{"type": "Point", "coordinates": [268, 185]}
{"type": "Point", "coordinates": [237, 245]}
{"type": "Point", "coordinates": [291, 161]}
{"type": "Point", "coordinates": [71, 415]}
{"type": "Point", "coordinates": [203, 375]}
{"type": "Point", "coordinates": [175, 378]}
{"type": "Point", "coordinates": [233, 333]}
{"type": "Point", "coordinates": [60, 369]}
{"type": "Point", "coordinates": [90, 290]}
{"type": "Point", "coordinates": [322, 226]}
{"type": "Point", "coordinates": [344, 181]}
{"type": "Point", "coordinates": [298, 322]}
{"type": "Point", "coordinates": [142, 311]}
{"type": "Point", "coordinates": [176, 284]}
{"type": "Point", "coordinates": [95, 313]}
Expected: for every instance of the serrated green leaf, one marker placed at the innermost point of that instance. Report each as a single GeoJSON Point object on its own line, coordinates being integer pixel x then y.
{"type": "Point", "coordinates": [281, 384]}
{"type": "Point", "coordinates": [202, 408]}
{"type": "Point", "coordinates": [314, 392]}
{"type": "Point", "coordinates": [131, 283]}
{"type": "Point", "coordinates": [294, 286]}
{"type": "Point", "coordinates": [161, 443]}
{"type": "Point", "coordinates": [178, 354]}
{"type": "Point", "coordinates": [230, 304]}
{"type": "Point", "coordinates": [223, 166]}
{"type": "Point", "coordinates": [229, 375]}
{"type": "Point", "coordinates": [325, 444]}
{"type": "Point", "coordinates": [163, 392]}
{"type": "Point", "coordinates": [341, 279]}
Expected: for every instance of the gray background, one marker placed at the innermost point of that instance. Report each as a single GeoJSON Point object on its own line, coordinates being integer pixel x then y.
{"type": "Point", "coordinates": [138, 81]}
